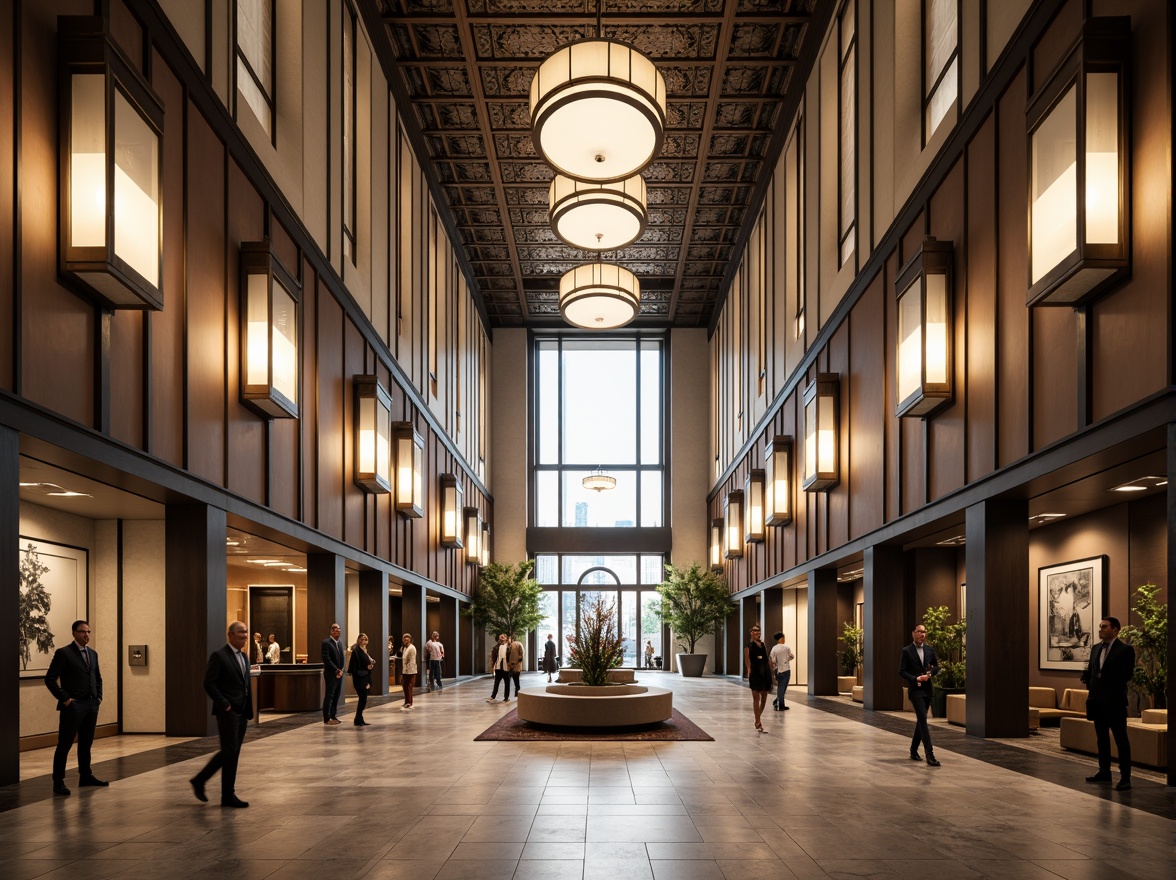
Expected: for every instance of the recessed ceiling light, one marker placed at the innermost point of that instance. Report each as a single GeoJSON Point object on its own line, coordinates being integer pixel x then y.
{"type": "Point", "coordinates": [260, 561]}
{"type": "Point", "coordinates": [1142, 484]}
{"type": "Point", "coordinates": [1045, 517]}
{"type": "Point", "coordinates": [296, 569]}
{"type": "Point", "coordinates": [275, 562]}
{"type": "Point", "coordinates": [67, 493]}
{"type": "Point", "coordinates": [231, 543]}
{"type": "Point", "coordinates": [853, 575]}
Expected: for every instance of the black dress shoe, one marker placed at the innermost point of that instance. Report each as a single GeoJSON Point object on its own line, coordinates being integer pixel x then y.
{"type": "Point", "coordinates": [1099, 777]}
{"type": "Point", "coordinates": [915, 756]}
{"type": "Point", "coordinates": [94, 781]}
{"type": "Point", "coordinates": [198, 790]}
{"type": "Point", "coordinates": [1124, 785]}
{"type": "Point", "coordinates": [59, 788]}
{"type": "Point", "coordinates": [931, 762]}
{"type": "Point", "coordinates": [235, 802]}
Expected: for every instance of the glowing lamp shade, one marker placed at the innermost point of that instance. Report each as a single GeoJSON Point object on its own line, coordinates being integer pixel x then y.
{"type": "Point", "coordinates": [599, 296]}
{"type": "Point", "coordinates": [452, 511]}
{"type": "Point", "coordinates": [111, 130]}
{"type": "Point", "coordinates": [269, 333]}
{"type": "Point", "coordinates": [821, 405]}
{"type": "Point", "coordinates": [777, 481]}
{"type": "Point", "coordinates": [716, 545]}
{"type": "Point", "coordinates": [485, 544]}
{"type": "Point", "coordinates": [753, 500]}
{"type": "Point", "coordinates": [410, 449]}
{"type": "Point", "coordinates": [733, 517]}
{"type": "Point", "coordinates": [598, 110]}
{"type": "Point", "coordinates": [373, 428]}
{"type": "Point", "coordinates": [598, 481]}
{"type": "Point", "coordinates": [1079, 206]}
{"type": "Point", "coordinates": [473, 535]}
{"type": "Point", "coordinates": [598, 216]}
{"type": "Point", "coordinates": [924, 359]}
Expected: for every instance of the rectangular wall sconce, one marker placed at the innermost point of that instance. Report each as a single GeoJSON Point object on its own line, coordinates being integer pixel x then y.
{"type": "Point", "coordinates": [473, 535]}
{"type": "Point", "coordinates": [452, 495]}
{"type": "Point", "coordinates": [1079, 185]}
{"type": "Point", "coordinates": [924, 360]}
{"type": "Point", "coordinates": [821, 417]}
{"type": "Point", "coordinates": [269, 333]}
{"type": "Point", "coordinates": [753, 500]}
{"type": "Point", "coordinates": [485, 544]}
{"type": "Point", "coordinates": [716, 545]}
{"type": "Point", "coordinates": [110, 167]}
{"type": "Point", "coordinates": [373, 421]}
{"type": "Point", "coordinates": [777, 481]}
{"type": "Point", "coordinates": [410, 450]}
{"type": "Point", "coordinates": [733, 516]}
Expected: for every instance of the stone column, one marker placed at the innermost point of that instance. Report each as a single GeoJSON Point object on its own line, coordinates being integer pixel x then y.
{"type": "Point", "coordinates": [373, 620]}
{"type": "Point", "coordinates": [884, 625]}
{"type": "Point", "coordinates": [822, 631]}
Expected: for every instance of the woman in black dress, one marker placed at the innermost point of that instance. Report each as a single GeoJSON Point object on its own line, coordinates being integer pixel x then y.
{"type": "Point", "coordinates": [759, 674]}
{"type": "Point", "coordinates": [360, 667]}
{"type": "Point", "coordinates": [549, 657]}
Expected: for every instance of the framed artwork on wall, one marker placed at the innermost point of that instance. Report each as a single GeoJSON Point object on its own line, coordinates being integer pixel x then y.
{"type": "Point", "coordinates": [1070, 597]}
{"type": "Point", "coordinates": [53, 589]}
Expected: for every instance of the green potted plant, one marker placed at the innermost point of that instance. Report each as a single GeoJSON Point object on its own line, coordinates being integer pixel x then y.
{"type": "Point", "coordinates": [1150, 640]}
{"type": "Point", "coordinates": [507, 599]}
{"type": "Point", "coordinates": [853, 651]}
{"type": "Point", "coordinates": [597, 645]}
{"type": "Point", "coordinates": [949, 642]}
{"type": "Point", "coordinates": [694, 602]}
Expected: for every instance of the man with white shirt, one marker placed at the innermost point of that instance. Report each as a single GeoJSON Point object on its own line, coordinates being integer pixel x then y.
{"type": "Point", "coordinates": [781, 660]}
{"type": "Point", "coordinates": [500, 666]}
{"type": "Point", "coordinates": [226, 681]}
{"type": "Point", "coordinates": [917, 665]}
{"type": "Point", "coordinates": [434, 654]}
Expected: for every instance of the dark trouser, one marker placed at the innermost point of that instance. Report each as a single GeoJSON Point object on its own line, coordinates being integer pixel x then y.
{"type": "Point", "coordinates": [922, 702]}
{"type": "Point", "coordinates": [515, 677]}
{"type": "Point", "coordinates": [407, 682]}
{"type": "Point", "coordinates": [361, 689]}
{"type": "Point", "coordinates": [1103, 727]}
{"type": "Point", "coordinates": [78, 719]}
{"type": "Point", "coordinates": [331, 699]}
{"type": "Point", "coordinates": [782, 679]}
{"type": "Point", "coordinates": [500, 675]}
{"type": "Point", "coordinates": [231, 726]}
{"type": "Point", "coordinates": [434, 673]}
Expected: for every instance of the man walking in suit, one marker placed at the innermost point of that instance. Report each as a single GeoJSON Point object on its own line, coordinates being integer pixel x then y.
{"type": "Point", "coordinates": [333, 674]}
{"type": "Point", "coordinates": [917, 665]}
{"type": "Point", "coordinates": [75, 680]}
{"type": "Point", "coordinates": [500, 666]}
{"type": "Point", "coordinates": [515, 655]}
{"type": "Point", "coordinates": [1112, 663]}
{"type": "Point", "coordinates": [226, 681]}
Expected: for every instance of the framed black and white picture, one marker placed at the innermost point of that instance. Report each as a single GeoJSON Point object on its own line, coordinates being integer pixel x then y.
{"type": "Point", "coordinates": [53, 582]}
{"type": "Point", "coordinates": [1071, 606]}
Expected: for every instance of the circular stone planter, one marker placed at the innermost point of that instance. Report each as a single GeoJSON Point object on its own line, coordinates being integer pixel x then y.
{"type": "Point", "coordinates": [618, 705]}
{"type": "Point", "coordinates": [615, 676]}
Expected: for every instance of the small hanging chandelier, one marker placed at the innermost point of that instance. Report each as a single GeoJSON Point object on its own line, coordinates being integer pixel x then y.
{"type": "Point", "coordinates": [599, 296]}
{"type": "Point", "coordinates": [598, 110]}
{"type": "Point", "coordinates": [598, 216]}
{"type": "Point", "coordinates": [598, 481]}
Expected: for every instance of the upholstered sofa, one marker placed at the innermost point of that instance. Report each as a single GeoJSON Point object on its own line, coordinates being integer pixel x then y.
{"type": "Point", "coordinates": [957, 711]}
{"type": "Point", "coordinates": [1148, 736]}
{"type": "Point", "coordinates": [1045, 699]}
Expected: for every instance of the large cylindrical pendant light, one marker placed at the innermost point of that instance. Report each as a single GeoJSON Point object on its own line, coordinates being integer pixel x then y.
{"type": "Point", "coordinates": [599, 296]}
{"type": "Point", "coordinates": [598, 216]}
{"type": "Point", "coordinates": [598, 110]}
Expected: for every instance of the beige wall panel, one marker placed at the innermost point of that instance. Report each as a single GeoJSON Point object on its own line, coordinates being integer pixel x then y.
{"type": "Point", "coordinates": [315, 124]}
{"type": "Point", "coordinates": [188, 20]}
{"type": "Point", "coordinates": [7, 196]}
{"type": "Point", "coordinates": [882, 123]}
{"type": "Point", "coordinates": [355, 504]}
{"type": "Point", "coordinates": [866, 395]}
{"type": "Point", "coordinates": [330, 388]}
{"type": "Point", "coordinates": [144, 623]}
{"type": "Point", "coordinates": [308, 422]}
{"type": "Point", "coordinates": [331, 113]}
{"type": "Point", "coordinates": [971, 28]}
{"type": "Point", "coordinates": [508, 446]}
{"type": "Point", "coordinates": [795, 628]}
{"type": "Point", "coordinates": [891, 426]}
{"type": "Point", "coordinates": [358, 275]}
{"type": "Point", "coordinates": [978, 315]}
{"type": "Point", "coordinates": [688, 453]}
{"type": "Point", "coordinates": [910, 160]}
{"type": "Point", "coordinates": [823, 191]}
{"type": "Point", "coordinates": [380, 209]}
{"type": "Point", "coordinates": [1003, 18]}
{"type": "Point", "coordinates": [865, 133]}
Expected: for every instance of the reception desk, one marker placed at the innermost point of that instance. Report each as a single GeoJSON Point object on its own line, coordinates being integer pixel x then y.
{"type": "Point", "coordinates": [290, 687]}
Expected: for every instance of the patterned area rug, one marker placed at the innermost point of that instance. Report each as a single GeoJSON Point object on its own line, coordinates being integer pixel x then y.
{"type": "Point", "coordinates": [509, 728]}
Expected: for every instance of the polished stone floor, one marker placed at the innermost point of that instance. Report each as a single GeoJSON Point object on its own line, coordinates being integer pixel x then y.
{"type": "Point", "coordinates": [828, 792]}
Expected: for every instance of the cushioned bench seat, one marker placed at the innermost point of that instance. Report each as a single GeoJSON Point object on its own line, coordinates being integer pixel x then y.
{"type": "Point", "coordinates": [1148, 736]}
{"type": "Point", "coordinates": [957, 712]}
{"type": "Point", "coordinates": [1073, 704]}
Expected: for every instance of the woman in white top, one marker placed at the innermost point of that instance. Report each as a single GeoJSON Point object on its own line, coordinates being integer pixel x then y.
{"type": "Point", "coordinates": [273, 653]}
{"type": "Point", "coordinates": [781, 660]}
{"type": "Point", "coordinates": [408, 672]}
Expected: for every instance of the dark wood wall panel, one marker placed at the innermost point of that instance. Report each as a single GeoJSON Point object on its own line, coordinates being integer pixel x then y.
{"type": "Point", "coordinates": [912, 440]}
{"type": "Point", "coordinates": [331, 434]}
{"type": "Point", "coordinates": [247, 431]}
{"type": "Point", "coordinates": [354, 360]}
{"type": "Point", "coordinates": [839, 498]}
{"type": "Point", "coordinates": [892, 429]}
{"type": "Point", "coordinates": [7, 196]}
{"type": "Point", "coordinates": [946, 431]}
{"type": "Point", "coordinates": [1012, 320]}
{"type": "Point", "coordinates": [793, 532]}
{"type": "Point", "coordinates": [126, 377]}
{"type": "Point", "coordinates": [206, 301]}
{"type": "Point", "coordinates": [867, 399]}
{"type": "Point", "coordinates": [1148, 536]}
{"type": "Point", "coordinates": [127, 32]}
{"type": "Point", "coordinates": [977, 317]}
{"type": "Point", "coordinates": [167, 327]}
{"type": "Point", "coordinates": [308, 435]}
{"type": "Point", "coordinates": [1054, 43]}
{"type": "Point", "coordinates": [1055, 375]}
{"type": "Point", "coordinates": [384, 511]}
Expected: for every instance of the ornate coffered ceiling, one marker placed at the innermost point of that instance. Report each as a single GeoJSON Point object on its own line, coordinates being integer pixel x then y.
{"type": "Point", "coordinates": [733, 70]}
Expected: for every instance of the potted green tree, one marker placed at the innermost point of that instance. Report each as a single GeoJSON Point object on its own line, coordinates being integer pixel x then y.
{"type": "Point", "coordinates": [853, 640]}
{"type": "Point", "coordinates": [1150, 640]}
{"type": "Point", "coordinates": [507, 599]}
{"type": "Point", "coordinates": [949, 642]}
{"type": "Point", "coordinates": [694, 602]}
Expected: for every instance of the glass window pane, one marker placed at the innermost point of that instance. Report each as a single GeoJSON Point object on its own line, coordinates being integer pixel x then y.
{"type": "Point", "coordinates": [600, 403]}
{"type": "Point", "coordinates": [547, 569]}
{"type": "Point", "coordinates": [136, 190]}
{"type": "Point", "coordinates": [848, 162]}
{"type": "Point", "coordinates": [630, 631]}
{"type": "Point", "coordinates": [940, 34]}
{"type": "Point", "coordinates": [285, 343]}
{"type": "Point", "coordinates": [1055, 187]}
{"type": "Point", "coordinates": [943, 99]}
{"type": "Point", "coordinates": [546, 498]}
{"type": "Point", "coordinates": [651, 627]}
{"type": "Point", "coordinates": [910, 341]}
{"type": "Point", "coordinates": [613, 508]}
{"type": "Point", "coordinates": [651, 499]}
{"type": "Point", "coordinates": [621, 569]}
{"type": "Point", "coordinates": [549, 608]}
{"type": "Point", "coordinates": [88, 161]}
{"type": "Point", "coordinates": [568, 607]}
{"type": "Point", "coordinates": [548, 403]}
{"type": "Point", "coordinates": [651, 403]}
{"type": "Point", "coordinates": [652, 570]}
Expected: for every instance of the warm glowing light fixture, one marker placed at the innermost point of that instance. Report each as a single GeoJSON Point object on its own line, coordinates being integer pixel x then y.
{"type": "Point", "coordinates": [599, 296]}
{"type": "Point", "coordinates": [410, 449]}
{"type": "Point", "coordinates": [269, 333]}
{"type": "Point", "coordinates": [733, 516]}
{"type": "Point", "coordinates": [373, 421]}
{"type": "Point", "coordinates": [716, 545]}
{"type": "Point", "coordinates": [473, 535]}
{"type": "Point", "coordinates": [598, 216]}
{"type": "Point", "coordinates": [599, 481]}
{"type": "Point", "coordinates": [598, 110]}
{"type": "Point", "coordinates": [485, 544]}
{"type": "Point", "coordinates": [777, 479]}
{"type": "Point", "coordinates": [452, 524]}
{"type": "Point", "coordinates": [923, 374]}
{"type": "Point", "coordinates": [111, 133]}
{"type": "Point", "coordinates": [753, 499]}
{"type": "Point", "coordinates": [820, 433]}
{"type": "Point", "coordinates": [1079, 187]}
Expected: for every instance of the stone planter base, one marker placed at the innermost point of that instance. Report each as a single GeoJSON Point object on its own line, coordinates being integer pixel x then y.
{"type": "Point", "coordinates": [691, 665]}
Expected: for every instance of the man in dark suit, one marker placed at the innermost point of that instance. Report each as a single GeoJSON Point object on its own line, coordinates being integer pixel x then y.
{"type": "Point", "coordinates": [75, 680]}
{"type": "Point", "coordinates": [226, 681]}
{"type": "Point", "coordinates": [332, 674]}
{"type": "Point", "coordinates": [1112, 663]}
{"type": "Point", "coordinates": [917, 666]}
